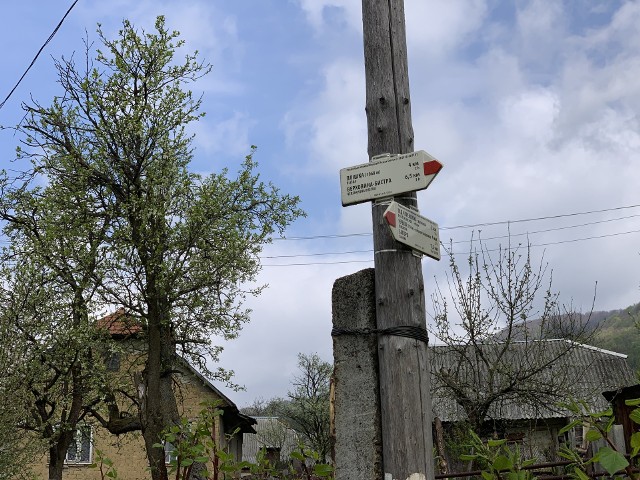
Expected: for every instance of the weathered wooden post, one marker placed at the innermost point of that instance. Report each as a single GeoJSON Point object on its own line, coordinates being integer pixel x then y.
{"type": "Point", "coordinates": [400, 237]}
{"type": "Point", "coordinates": [403, 362]}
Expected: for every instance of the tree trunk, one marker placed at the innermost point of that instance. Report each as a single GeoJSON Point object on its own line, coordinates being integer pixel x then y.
{"type": "Point", "coordinates": [58, 450]}
{"type": "Point", "coordinates": [159, 407]}
{"type": "Point", "coordinates": [440, 447]}
{"type": "Point", "coordinates": [57, 455]}
{"type": "Point", "coordinates": [56, 464]}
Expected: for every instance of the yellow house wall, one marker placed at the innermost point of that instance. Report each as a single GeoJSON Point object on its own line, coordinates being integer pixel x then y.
{"type": "Point", "coordinates": [127, 451]}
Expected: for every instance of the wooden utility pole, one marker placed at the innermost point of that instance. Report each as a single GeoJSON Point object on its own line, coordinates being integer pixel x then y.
{"type": "Point", "coordinates": [399, 286]}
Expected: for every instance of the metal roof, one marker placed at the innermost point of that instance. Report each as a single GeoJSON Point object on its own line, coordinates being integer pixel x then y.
{"type": "Point", "coordinates": [572, 371]}
{"type": "Point", "coordinates": [271, 432]}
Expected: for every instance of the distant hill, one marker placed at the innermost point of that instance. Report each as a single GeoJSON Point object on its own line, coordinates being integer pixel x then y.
{"type": "Point", "coordinates": [619, 331]}
{"type": "Point", "coordinates": [616, 330]}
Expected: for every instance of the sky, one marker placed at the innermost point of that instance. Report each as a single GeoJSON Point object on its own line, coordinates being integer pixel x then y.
{"type": "Point", "coordinates": [531, 105]}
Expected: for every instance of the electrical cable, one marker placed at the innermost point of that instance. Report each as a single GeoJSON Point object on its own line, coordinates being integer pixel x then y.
{"type": "Point", "coordinates": [534, 219]}
{"type": "Point", "coordinates": [499, 237]}
{"type": "Point", "coordinates": [317, 254]}
{"type": "Point", "coordinates": [552, 229]}
{"type": "Point", "coordinates": [55, 30]}
{"type": "Point", "coordinates": [315, 263]}
{"type": "Point", "coordinates": [595, 237]}
{"type": "Point", "coordinates": [484, 224]}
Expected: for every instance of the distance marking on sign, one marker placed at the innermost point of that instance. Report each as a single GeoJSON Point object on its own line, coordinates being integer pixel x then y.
{"type": "Point", "coordinates": [414, 230]}
{"type": "Point", "coordinates": [387, 177]}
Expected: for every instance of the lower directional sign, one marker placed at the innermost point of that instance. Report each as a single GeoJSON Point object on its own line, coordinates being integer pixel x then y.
{"type": "Point", "coordinates": [411, 228]}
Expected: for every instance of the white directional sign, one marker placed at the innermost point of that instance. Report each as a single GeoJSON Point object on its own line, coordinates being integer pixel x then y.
{"type": "Point", "coordinates": [388, 177]}
{"type": "Point", "coordinates": [411, 228]}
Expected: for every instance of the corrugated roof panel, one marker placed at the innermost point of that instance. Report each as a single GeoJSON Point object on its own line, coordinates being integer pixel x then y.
{"type": "Point", "coordinates": [584, 371]}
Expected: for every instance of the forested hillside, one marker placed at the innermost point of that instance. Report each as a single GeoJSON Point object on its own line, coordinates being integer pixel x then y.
{"type": "Point", "coordinates": [615, 330]}
{"type": "Point", "coordinates": [620, 331]}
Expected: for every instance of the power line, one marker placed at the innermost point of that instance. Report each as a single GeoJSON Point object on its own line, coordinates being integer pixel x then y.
{"type": "Point", "coordinates": [499, 237]}
{"type": "Point", "coordinates": [314, 237]}
{"type": "Point", "coordinates": [617, 234]}
{"type": "Point", "coordinates": [523, 220]}
{"type": "Point", "coordinates": [559, 242]}
{"type": "Point", "coordinates": [484, 224]}
{"type": "Point", "coordinates": [55, 30]}
{"type": "Point", "coordinates": [317, 263]}
{"type": "Point", "coordinates": [546, 230]}
{"type": "Point", "coordinates": [317, 254]}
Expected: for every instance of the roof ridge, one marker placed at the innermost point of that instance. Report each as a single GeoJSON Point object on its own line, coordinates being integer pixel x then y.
{"type": "Point", "coordinates": [584, 345]}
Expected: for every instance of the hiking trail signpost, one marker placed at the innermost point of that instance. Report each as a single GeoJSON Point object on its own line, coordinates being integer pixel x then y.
{"type": "Point", "coordinates": [391, 416]}
{"type": "Point", "coordinates": [387, 175]}
{"type": "Point", "coordinates": [384, 180]}
{"type": "Point", "coordinates": [412, 229]}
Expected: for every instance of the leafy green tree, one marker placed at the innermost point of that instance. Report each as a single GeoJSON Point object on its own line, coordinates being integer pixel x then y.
{"type": "Point", "coordinates": [264, 408]}
{"type": "Point", "coordinates": [307, 408]}
{"type": "Point", "coordinates": [16, 451]}
{"type": "Point", "coordinates": [48, 290]}
{"type": "Point", "coordinates": [179, 248]}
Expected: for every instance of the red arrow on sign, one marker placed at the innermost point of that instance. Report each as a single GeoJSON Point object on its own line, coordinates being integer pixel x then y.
{"type": "Point", "coordinates": [432, 167]}
{"type": "Point", "coordinates": [390, 217]}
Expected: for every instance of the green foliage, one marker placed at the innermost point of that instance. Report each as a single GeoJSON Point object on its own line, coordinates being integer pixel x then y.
{"type": "Point", "coordinates": [600, 425]}
{"type": "Point", "coordinates": [194, 448]}
{"type": "Point", "coordinates": [47, 294]}
{"type": "Point", "coordinates": [193, 443]}
{"type": "Point", "coordinates": [497, 459]}
{"type": "Point", "coordinates": [105, 465]}
{"type": "Point", "coordinates": [16, 448]}
{"type": "Point", "coordinates": [108, 212]}
{"type": "Point", "coordinates": [457, 439]}
{"type": "Point", "coordinates": [117, 140]}
{"type": "Point", "coordinates": [307, 456]}
{"type": "Point", "coordinates": [263, 468]}
{"type": "Point", "coordinates": [307, 408]}
{"type": "Point", "coordinates": [611, 460]}
{"type": "Point", "coordinates": [304, 464]}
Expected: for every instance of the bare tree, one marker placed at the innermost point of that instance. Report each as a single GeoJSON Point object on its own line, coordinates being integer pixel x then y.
{"type": "Point", "coordinates": [500, 354]}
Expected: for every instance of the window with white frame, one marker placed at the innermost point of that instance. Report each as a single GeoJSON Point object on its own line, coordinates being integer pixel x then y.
{"type": "Point", "coordinates": [80, 449]}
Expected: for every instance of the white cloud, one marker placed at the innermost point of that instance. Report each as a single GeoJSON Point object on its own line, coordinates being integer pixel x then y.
{"type": "Point", "coordinates": [529, 115]}
{"type": "Point", "coordinates": [520, 142]}
{"type": "Point", "coordinates": [227, 135]}
{"type": "Point", "coordinates": [540, 33]}
{"type": "Point", "coordinates": [620, 34]}
{"type": "Point", "coordinates": [333, 121]}
{"type": "Point", "coordinates": [319, 12]}
{"type": "Point", "coordinates": [293, 315]}
{"type": "Point", "coordinates": [436, 27]}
